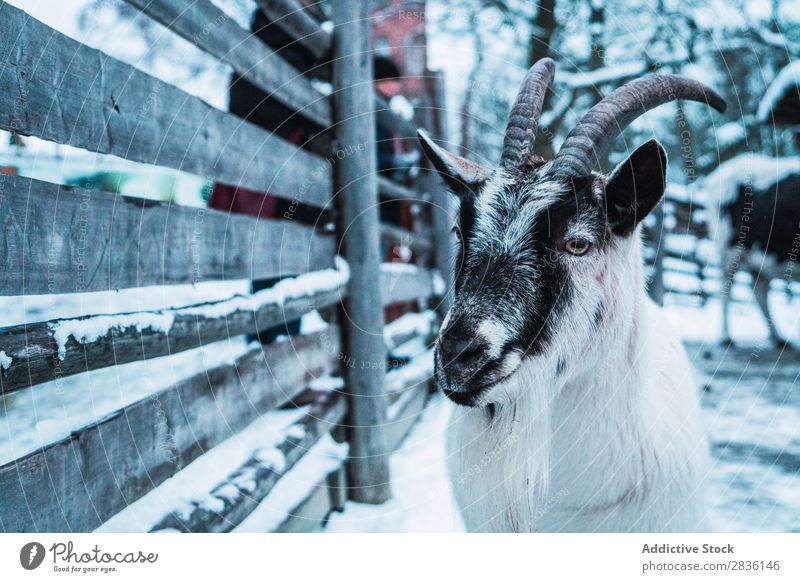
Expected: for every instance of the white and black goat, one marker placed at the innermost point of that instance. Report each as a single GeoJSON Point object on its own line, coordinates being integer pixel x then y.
{"type": "Point", "coordinates": [753, 205]}
{"type": "Point", "coordinates": [580, 410]}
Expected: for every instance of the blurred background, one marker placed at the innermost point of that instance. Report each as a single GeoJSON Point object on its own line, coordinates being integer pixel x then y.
{"type": "Point", "coordinates": [749, 51]}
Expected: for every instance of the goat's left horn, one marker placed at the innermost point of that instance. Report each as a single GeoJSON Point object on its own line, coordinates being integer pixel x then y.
{"type": "Point", "coordinates": [591, 139]}
{"type": "Point", "coordinates": [524, 119]}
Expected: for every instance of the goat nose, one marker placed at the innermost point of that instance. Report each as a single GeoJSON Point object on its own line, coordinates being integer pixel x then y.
{"type": "Point", "coordinates": [460, 348]}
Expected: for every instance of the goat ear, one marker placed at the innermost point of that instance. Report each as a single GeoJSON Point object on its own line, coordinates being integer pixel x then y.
{"type": "Point", "coordinates": [461, 175]}
{"type": "Point", "coordinates": [635, 187]}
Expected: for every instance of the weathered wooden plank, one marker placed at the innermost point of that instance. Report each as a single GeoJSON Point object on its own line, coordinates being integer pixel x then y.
{"type": "Point", "coordinates": [419, 242]}
{"type": "Point", "coordinates": [48, 350]}
{"type": "Point", "coordinates": [66, 92]}
{"type": "Point", "coordinates": [410, 326]}
{"type": "Point", "coordinates": [81, 481]}
{"type": "Point", "coordinates": [313, 512]}
{"type": "Point", "coordinates": [417, 372]}
{"type": "Point", "coordinates": [210, 29]}
{"type": "Point", "coordinates": [389, 190]}
{"type": "Point", "coordinates": [401, 283]}
{"type": "Point", "coordinates": [405, 412]}
{"type": "Point", "coordinates": [368, 466]}
{"type": "Point", "coordinates": [318, 9]}
{"type": "Point", "coordinates": [58, 239]}
{"type": "Point", "coordinates": [299, 24]}
{"type": "Point", "coordinates": [243, 490]}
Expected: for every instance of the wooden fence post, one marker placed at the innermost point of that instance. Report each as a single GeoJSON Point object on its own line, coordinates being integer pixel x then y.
{"type": "Point", "coordinates": [357, 191]}
{"type": "Point", "coordinates": [442, 201]}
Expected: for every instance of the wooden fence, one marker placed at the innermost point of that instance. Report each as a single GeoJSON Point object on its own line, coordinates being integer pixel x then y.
{"type": "Point", "coordinates": [679, 248]}
{"type": "Point", "coordinates": [63, 240]}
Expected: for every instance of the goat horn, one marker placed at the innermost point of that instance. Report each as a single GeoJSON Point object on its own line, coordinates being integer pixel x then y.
{"type": "Point", "coordinates": [594, 134]}
{"type": "Point", "coordinates": [524, 119]}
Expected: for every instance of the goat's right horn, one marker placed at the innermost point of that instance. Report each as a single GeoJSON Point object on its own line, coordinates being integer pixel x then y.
{"type": "Point", "coordinates": [594, 134]}
{"type": "Point", "coordinates": [523, 121]}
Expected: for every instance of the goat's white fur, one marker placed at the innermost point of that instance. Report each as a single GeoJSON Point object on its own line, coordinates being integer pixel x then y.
{"type": "Point", "coordinates": [495, 196]}
{"type": "Point", "coordinates": [495, 335]}
{"type": "Point", "coordinates": [612, 443]}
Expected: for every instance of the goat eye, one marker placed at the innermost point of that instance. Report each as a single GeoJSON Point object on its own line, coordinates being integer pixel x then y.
{"type": "Point", "coordinates": [577, 246]}
{"type": "Point", "coordinates": [457, 232]}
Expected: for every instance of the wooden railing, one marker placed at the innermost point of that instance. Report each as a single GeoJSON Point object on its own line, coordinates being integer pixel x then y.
{"type": "Point", "coordinates": [680, 250]}
{"type": "Point", "coordinates": [63, 240]}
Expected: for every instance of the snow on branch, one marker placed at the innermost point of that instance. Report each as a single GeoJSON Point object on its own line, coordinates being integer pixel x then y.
{"type": "Point", "coordinates": [787, 80]}
{"type": "Point", "coordinates": [757, 171]}
{"type": "Point", "coordinates": [616, 74]}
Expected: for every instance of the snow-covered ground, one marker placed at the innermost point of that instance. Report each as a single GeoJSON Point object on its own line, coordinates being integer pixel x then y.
{"type": "Point", "coordinates": [754, 428]}
{"type": "Point", "coordinates": [696, 324]}
{"type": "Point", "coordinates": [422, 500]}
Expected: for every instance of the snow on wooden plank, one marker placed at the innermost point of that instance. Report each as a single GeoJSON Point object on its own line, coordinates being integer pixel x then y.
{"type": "Point", "coordinates": [208, 27]}
{"type": "Point", "coordinates": [408, 326]}
{"type": "Point", "coordinates": [312, 513]}
{"type": "Point", "coordinates": [417, 372]}
{"type": "Point", "coordinates": [79, 482]}
{"type": "Point", "coordinates": [748, 360]}
{"type": "Point", "coordinates": [63, 91]}
{"type": "Point", "coordinates": [39, 352]}
{"type": "Point", "coordinates": [59, 239]}
{"type": "Point", "coordinates": [194, 481]}
{"type": "Point", "coordinates": [235, 497]}
{"type": "Point", "coordinates": [305, 496]}
{"type": "Point", "coordinates": [401, 282]}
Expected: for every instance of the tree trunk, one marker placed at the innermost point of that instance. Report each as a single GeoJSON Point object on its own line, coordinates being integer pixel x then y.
{"type": "Point", "coordinates": [466, 146]}
{"type": "Point", "coordinates": [597, 24]}
{"type": "Point", "coordinates": [543, 26]}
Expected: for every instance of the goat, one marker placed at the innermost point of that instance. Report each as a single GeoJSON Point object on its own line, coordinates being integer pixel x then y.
{"type": "Point", "coordinates": [754, 218]}
{"type": "Point", "coordinates": [580, 412]}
